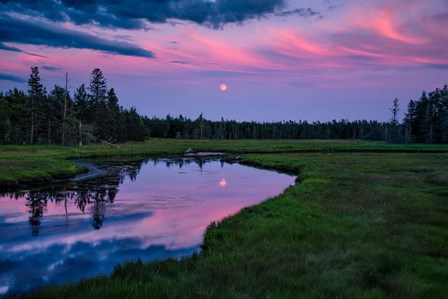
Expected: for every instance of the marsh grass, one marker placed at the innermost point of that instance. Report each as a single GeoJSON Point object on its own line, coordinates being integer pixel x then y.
{"type": "Point", "coordinates": [20, 165]}
{"type": "Point", "coordinates": [356, 225]}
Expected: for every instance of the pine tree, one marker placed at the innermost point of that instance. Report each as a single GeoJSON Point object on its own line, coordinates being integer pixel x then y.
{"type": "Point", "coordinates": [56, 115]}
{"type": "Point", "coordinates": [36, 94]}
{"type": "Point", "coordinates": [444, 114]}
{"type": "Point", "coordinates": [98, 86]}
{"type": "Point", "coordinates": [200, 125]}
{"type": "Point", "coordinates": [410, 122]}
{"type": "Point", "coordinates": [394, 132]}
{"type": "Point", "coordinates": [394, 111]}
{"type": "Point", "coordinates": [113, 110]}
{"type": "Point", "coordinates": [83, 112]}
{"type": "Point", "coordinates": [65, 107]}
{"type": "Point", "coordinates": [81, 102]}
{"type": "Point", "coordinates": [136, 129]}
{"type": "Point", "coordinates": [62, 121]}
{"type": "Point", "coordinates": [98, 97]}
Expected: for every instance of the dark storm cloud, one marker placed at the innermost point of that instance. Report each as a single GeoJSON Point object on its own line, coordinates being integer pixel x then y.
{"type": "Point", "coordinates": [134, 14]}
{"type": "Point", "coordinates": [8, 77]}
{"type": "Point", "coordinates": [37, 33]}
{"type": "Point", "coordinates": [18, 20]}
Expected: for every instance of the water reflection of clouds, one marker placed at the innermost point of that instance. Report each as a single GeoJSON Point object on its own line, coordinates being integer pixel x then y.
{"type": "Point", "coordinates": [122, 227]}
{"type": "Point", "coordinates": [148, 212]}
{"type": "Point", "coordinates": [4, 289]}
{"type": "Point", "coordinates": [58, 263]}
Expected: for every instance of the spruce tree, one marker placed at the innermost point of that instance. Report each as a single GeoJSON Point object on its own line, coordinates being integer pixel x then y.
{"type": "Point", "coordinates": [36, 93]}
{"type": "Point", "coordinates": [410, 122]}
{"type": "Point", "coordinates": [98, 97]}
{"type": "Point", "coordinates": [136, 129]}
{"type": "Point", "coordinates": [113, 115]}
{"type": "Point", "coordinates": [98, 86]}
{"type": "Point", "coordinates": [83, 113]}
{"type": "Point", "coordinates": [56, 124]}
{"type": "Point", "coordinates": [81, 103]}
{"type": "Point", "coordinates": [444, 114]}
{"type": "Point", "coordinates": [394, 111]}
{"type": "Point", "coordinates": [394, 132]}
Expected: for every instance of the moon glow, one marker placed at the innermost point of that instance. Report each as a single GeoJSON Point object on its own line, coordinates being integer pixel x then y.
{"type": "Point", "coordinates": [223, 87]}
{"type": "Point", "coordinates": [222, 183]}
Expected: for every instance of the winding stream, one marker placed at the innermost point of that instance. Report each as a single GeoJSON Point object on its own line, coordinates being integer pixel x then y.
{"type": "Point", "coordinates": [152, 209]}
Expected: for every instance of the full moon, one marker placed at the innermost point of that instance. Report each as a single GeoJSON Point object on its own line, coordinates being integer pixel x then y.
{"type": "Point", "coordinates": [222, 182]}
{"type": "Point", "coordinates": [223, 86]}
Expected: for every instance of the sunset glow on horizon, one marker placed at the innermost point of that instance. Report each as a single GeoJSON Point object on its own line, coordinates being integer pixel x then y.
{"type": "Point", "coordinates": [309, 60]}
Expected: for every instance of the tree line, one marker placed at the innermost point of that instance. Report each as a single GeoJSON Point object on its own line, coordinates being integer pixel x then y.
{"type": "Point", "coordinates": [201, 128]}
{"type": "Point", "coordinates": [426, 121]}
{"type": "Point", "coordinates": [93, 114]}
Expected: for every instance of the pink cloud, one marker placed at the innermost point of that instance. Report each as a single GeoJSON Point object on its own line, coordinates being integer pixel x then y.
{"type": "Point", "coordinates": [385, 22]}
{"type": "Point", "coordinates": [370, 36]}
{"type": "Point", "coordinates": [352, 43]}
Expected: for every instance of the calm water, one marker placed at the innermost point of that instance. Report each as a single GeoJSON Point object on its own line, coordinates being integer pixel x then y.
{"type": "Point", "coordinates": [150, 210]}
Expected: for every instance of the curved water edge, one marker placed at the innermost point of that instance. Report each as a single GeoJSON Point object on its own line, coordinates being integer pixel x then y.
{"type": "Point", "coordinates": [151, 209]}
{"type": "Point", "coordinates": [91, 169]}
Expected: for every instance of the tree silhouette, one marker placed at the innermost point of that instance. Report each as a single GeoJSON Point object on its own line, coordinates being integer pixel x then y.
{"type": "Point", "coordinates": [98, 97]}
{"type": "Point", "coordinates": [36, 94]}
{"type": "Point", "coordinates": [98, 211]}
{"type": "Point", "coordinates": [36, 203]}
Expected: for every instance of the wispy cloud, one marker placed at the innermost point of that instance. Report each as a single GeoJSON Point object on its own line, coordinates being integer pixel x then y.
{"type": "Point", "coordinates": [51, 68]}
{"type": "Point", "coordinates": [14, 49]}
{"type": "Point", "coordinates": [9, 77]}
{"type": "Point", "coordinates": [302, 12]}
{"type": "Point", "coordinates": [179, 62]}
{"type": "Point", "coordinates": [8, 48]}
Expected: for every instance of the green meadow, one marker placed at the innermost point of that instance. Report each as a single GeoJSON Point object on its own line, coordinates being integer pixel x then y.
{"type": "Point", "coordinates": [364, 220]}
{"type": "Point", "coordinates": [40, 163]}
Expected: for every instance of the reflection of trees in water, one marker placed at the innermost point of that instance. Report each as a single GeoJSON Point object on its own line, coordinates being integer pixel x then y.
{"type": "Point", "coordinates": [96, 200]}
{"type": "Point", "coordinates": [36, 203]}
{"type": "Point", "coordinates": [90, 195]}
{"type": "Point", "coordinates": [132, 173]}
{"type": "Point", "coordinates": [181, 162]}
{"type": "Point", "coordinates": [98, 211]}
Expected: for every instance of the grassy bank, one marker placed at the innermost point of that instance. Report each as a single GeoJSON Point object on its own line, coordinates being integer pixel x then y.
{"type": "Point", "coordinates": [358, 225]}
{"type": "Point", "coordinates": [24, 164]}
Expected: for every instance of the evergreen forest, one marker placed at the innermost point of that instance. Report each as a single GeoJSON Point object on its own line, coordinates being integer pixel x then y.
{"type": "Point", "coordinates": [93, 114]}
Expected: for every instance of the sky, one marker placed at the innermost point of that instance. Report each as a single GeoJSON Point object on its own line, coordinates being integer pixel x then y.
{"type": "Point", "coordinates": [280, 59]}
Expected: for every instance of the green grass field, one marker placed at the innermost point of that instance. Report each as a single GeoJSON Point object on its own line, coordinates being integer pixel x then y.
{"type": "Point", "coordinates": [364, 220]}
{"type": "Point", "coordinates": [24, 164]}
